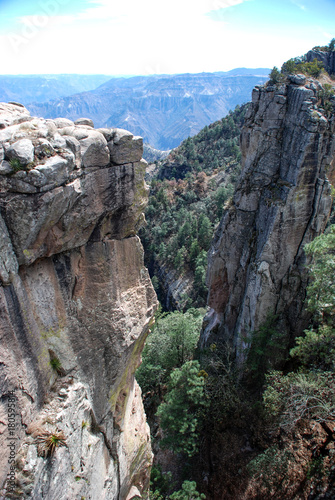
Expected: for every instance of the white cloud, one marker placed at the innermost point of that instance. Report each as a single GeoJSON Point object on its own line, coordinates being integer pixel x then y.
{"type": "Point", "coordinates": [299, 4]}
{"type": "Point", "coordinates": [141, 38]}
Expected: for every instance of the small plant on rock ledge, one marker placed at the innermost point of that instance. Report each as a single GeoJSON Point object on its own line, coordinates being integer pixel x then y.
{"type": "Point", "coordinates": [16, 165]}
{"type": "Point", "coordinates": [49, 441]}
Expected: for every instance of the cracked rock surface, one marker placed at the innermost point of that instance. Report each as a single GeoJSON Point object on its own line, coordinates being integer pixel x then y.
{"type": "Point", "coordinates": [282, 201]}
{"type": "Point", "coordinates": [76, 303]}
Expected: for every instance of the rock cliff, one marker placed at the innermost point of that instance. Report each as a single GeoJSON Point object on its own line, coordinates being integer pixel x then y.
{"type": "Point", "coordinates": [76, 304]}
{"type": "Point", "coordinates": [327, 58]}
{"type": "Point", "coordinates": [282, 202]}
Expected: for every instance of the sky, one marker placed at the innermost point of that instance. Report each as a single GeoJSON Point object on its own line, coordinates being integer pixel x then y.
{"type": "Point", "coordinates": [143, 37]}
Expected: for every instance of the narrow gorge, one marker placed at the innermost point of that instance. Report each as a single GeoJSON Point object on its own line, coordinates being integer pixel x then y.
{"type": "Point", "coordinates": [77, 302]}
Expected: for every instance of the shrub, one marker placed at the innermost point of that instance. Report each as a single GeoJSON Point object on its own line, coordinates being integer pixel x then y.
{"type": "Point", "coordinates": [49, 441]}
{"type": "Point", "coordinates": [16, 165]}
{"type": "Point", "coordinates": [270, 467]}
{"type": "Point", "coordinates": [296, 396]}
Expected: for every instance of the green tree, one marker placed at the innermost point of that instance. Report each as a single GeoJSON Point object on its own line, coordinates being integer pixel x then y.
{"type": "Point", "coordinates": [205, 232]}
{"type": "Point", "coordinates": [171, 343]}
{"type": "Point", "coordinates": [321, 290]}
{"type": "Point", "coordinates": [188, 492]}
{"type": "Point", "coordinates": [289, 66]}
{"type": "Point", "coordinates": [180, 414]}
{"type": "Point", "coordinates": [275, 76]}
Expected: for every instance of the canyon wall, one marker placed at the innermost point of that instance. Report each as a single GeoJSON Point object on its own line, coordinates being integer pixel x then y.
{"type": "Point", "coordinates": [282, 201]}
{"type": "Point", "coordinates": [76, 305]}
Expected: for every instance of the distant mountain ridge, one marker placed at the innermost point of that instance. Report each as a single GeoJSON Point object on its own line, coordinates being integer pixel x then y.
{"type": "Point", "coordinates": [40, 88]}
{"type": "Point", "coordinates": [163, 109]}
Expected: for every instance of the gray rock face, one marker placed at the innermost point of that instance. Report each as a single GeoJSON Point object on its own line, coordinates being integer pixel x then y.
{"type": "Point", "coordinates": [327, 58]}
{"type": "Point", "coordinates": [256, 263]}
{"type": "Point", "coordinates": [124, 145]}
{"type": "Point", "coordinates": [22, 150]}
{"type": "Point", "coordinates": [76, 303]}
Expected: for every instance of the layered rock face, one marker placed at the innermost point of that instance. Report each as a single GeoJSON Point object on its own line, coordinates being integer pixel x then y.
{"type": "Point", "coordinates": [256, 263]}
{"type": "Point", "coordinates": [76, 304]}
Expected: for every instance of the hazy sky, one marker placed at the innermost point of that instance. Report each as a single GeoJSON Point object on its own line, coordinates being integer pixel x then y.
{"type": "Point", "coordinates": [116, 37]}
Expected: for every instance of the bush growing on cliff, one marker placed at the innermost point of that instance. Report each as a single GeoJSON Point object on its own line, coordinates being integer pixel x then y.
{"type": "Point", "coordinates": [304, 395]}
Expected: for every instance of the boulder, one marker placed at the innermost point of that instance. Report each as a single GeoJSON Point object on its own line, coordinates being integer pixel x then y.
{"type": "Point", "coordinates": [124, 147]}
{"type": "Point", "coordinates": [55, 170]}
{"type": "Point", "coordinates": [6, 168]}
{"type": "Point", "coordinates": [22, 150]}
{"type": "Point", "coordinates": [63, 122]}
{"type": "Point", "coordinates": [12, 114]}
{"type": "Point", "coordinates": [94, 150]}
{"type": "Point", "coordinates": [297, 79]}
{"type": "Point", "coordinates": [84, 121]}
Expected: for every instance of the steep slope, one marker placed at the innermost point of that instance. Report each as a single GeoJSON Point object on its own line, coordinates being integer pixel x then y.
{"type": "Point", "coordinates": [185, 203]}
{"type": "Point", "coordinates": [40, 88]}
{"type": "Point", "coordinates": [76, 304]}
{"type": "Point", "coordinates": [281, 203]}
{"type": "Point", "coordinates": [163, 109]}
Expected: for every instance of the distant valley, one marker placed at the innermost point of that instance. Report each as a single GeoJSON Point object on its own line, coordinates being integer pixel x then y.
{"type": "Point", "coordinates": [163, 109]}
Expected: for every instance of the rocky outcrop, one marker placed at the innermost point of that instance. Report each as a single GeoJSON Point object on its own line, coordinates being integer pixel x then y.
{"type": "Point", "coordinates": [282, 201]}
{"type": "Point", "coordinates": [76, 305]}
{"type": "Point", "coordinates": [327, 58]}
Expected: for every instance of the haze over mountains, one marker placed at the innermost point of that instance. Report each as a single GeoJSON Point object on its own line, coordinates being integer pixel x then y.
{"type": "Point", "coordinates": [163, 109]}
{"type": "Point", "coordinates": [40, 88]}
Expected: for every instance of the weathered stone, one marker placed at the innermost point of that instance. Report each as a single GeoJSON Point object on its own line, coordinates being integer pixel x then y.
{"type": "Point", "coordinates": [108, 133]}
{"type": "Point", "coordinates": [84, 121]}
{"type": "Point", "coordinates": [74, 146]}
{"type": "Point", "coordinates": [297, 79]}
{"type": "Point", "coordinates": [63, 122]}
{"type": "Point", "coordinates": [55, 170]}
{"type": "Point", "coordinates": [8, 263]}
{"type": "Point", "coordinates": [37, 178]}
{"type": "Point", "coordinates": [256, 263]}
{"type": "Point", "coordinates": [58, 142]}
{"type": "Point", "coordinates": [94, 150]}
{"type": "Point", "coordinates": [6, 168]}
{"type": "Point", "coordinates": [43, 148]}
{"type": "Point", "coordinates": [125, 147]}
{"type": "Point", "coordinates": [83, 296]}
{"type": "Point", "coordinates": [12, 114]}
{"type": "Point", "coordinates": [22, 150]}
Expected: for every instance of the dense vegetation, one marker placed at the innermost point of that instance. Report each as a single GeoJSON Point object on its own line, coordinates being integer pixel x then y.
{"type": "Point", "coordinates": [261, 423]}
{"type": "Point", "coordinates": [186, 203]}
{"type": "Point", "coordinates": [203, 394]}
